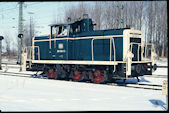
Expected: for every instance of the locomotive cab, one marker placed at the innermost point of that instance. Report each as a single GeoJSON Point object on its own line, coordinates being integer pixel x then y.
{"type": "Point", "coordinates": [71, 29]}
{"type": "Point", "coordinates": [59, 30]}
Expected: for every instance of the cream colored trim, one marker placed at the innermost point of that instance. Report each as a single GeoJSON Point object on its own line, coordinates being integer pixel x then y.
{"type": "Point", "coordinates": [28, 50]}
{"type": "Point", "coordinates": [95, 37]}
{"type": "Point", "coordinates": [127, 53]}
{"type": "Point", "coordinates": [24, 58]}
{"type": "Point", "coordinates": [141, 62]}
{"type": "Point", "coordinates": [83, 62]}
{"type": "Point", "coordinates": [30, 64]}
{"type": "Point", "coordinates": [31, 49]}
{"type": "Point", "coordinates": [153, 53]}
{"type": "Point", "coordinates": [33, 57]}
{"type": "Point", "coordinates": [125, 43]}
{"type": "Point", "coordinates": [38, 53]}
{"type": "Point", "coordinates": [76, 62]}
{"type": "Point", "coordinates": [139, 45]}
{"type": "Point", "coordinates": [130, 55]}
{"type": "Point", "coordinates": [126, 40]}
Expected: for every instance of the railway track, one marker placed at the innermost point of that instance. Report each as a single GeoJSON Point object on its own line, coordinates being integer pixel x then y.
{"type": "Point", "coordinates": [154, 76]}
{"type": "Point", "coordinates": [15, 74]}
{"type": "Point", "coordinates": [11, 67]}
{"type": "Point", "coordinates": [120, 84]}
{"type": "Point", "coordinates": [139, 86]}
{"type": "Point", "coordinates": [157, 76]}
{"type": "Point", "coordinates": [162, 66]}
{"type": "Point", "coordinates": [9, 64]}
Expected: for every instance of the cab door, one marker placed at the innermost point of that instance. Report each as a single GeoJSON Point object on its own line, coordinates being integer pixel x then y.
{"type": "Point", "coordinates": [52, 51]}
{"type": "Point", "coordinates": [101, 49]}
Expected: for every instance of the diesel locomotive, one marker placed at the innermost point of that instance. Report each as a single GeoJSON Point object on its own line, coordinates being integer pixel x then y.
{"type": "Point", "coordinates": [74, 50]}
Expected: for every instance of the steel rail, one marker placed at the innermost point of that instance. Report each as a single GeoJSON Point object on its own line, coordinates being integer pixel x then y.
{"type": "Point", "coordinates": [129, 85]}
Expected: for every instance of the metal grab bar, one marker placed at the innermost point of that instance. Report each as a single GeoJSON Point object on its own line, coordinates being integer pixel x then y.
{"type": "Point", "coordinates": [143, 49]}
{"type": "Point", "coordinates": [29, 50]}
{"type": "Point", "coordinates": [111, 40]}
{"type": "Point", "coordinates": [151, 48]}
{"type": "Point", "coordinates": [153, 55]}
{"type": "Point", "coordinates": [139, 45]}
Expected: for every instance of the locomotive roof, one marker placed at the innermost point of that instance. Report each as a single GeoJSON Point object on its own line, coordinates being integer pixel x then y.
{"type": "Point", "coordinates": [61, 24]}
{"type": "Point", "coordinates": [68, 23]}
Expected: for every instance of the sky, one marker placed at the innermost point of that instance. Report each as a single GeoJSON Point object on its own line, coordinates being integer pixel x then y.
{"type": "Point", "coordinates": [43, 15]}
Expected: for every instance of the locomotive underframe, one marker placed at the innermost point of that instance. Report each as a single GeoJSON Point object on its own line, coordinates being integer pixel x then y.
{"type": "Point", "coordinates": [113, 70]}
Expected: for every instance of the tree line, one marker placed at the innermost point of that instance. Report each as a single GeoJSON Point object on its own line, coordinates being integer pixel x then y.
{"type": "Point", "coordinates": [148, 16]}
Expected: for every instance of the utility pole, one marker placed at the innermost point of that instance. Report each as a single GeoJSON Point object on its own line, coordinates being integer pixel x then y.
{"type": "Point", "coordinates": [122, 15]}
{"type": "Point", "coordinates": [20, 34]}
{"type": "Point", "coordinates": [31, 27]}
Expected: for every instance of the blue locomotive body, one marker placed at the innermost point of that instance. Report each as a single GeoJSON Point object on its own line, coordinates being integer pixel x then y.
{"type": "Point", "coordinates": [76, 51]}
{"type": "Point", "coordinates": [77, 48]}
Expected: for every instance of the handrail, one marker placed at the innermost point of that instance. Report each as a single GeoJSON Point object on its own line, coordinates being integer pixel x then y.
{"type": "Point", "coordinates": [111, 39]}
{"type": "Point", "coordinates": [139, 44]}
{"type": "Point", "coordinates": [29, 50]}
{"type": "Point", "coordinates": [110, 47]}
{"type": "Point", "coordinates": [143, 50]}
{"type": "Point", "coordinates": [38, 53]}
{"type": "Point", "coordinates": [138, 56]}
{"type": "Point", "coordinates": [145, 45]}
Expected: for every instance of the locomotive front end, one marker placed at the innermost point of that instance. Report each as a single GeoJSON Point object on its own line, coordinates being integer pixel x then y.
{"type": "Point", "coordinates": [139, 56]}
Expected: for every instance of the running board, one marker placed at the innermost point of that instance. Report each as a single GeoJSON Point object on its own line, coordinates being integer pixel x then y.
{"type": "Point", "coordinates": [75, 62]}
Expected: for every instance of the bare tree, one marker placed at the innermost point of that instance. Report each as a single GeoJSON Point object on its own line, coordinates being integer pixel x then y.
{"type": "Point", "coordinates": [147, 16]}
{"type": "Point", "coordinates": [29, 32]}
{"type": "Point", "coordinates": [27, 36]}
{"type": "Point", "coordinates": [165, 26]}
{"type": "Point", "coordinates": [96, 14]}
{"type": "Point", "coordinates": [75, 12]}
{"type": "Point", "coordinates": [7, 47]}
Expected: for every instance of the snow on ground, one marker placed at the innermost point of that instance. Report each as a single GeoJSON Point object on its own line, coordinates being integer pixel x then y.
{"type": "Point", "coordinates": [6, 60]}
{"type": "Point", "coordinates": [161, 71]}
{"type": "Point", "coordinates": [29, 94]}
{"type": "Point", "coordinates": [33, 94]}
{"type": "Point", "coordinates": [162, 62]}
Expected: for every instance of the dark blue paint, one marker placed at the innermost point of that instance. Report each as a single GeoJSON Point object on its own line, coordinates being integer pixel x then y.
{"type": "Point", "coordinates": [80, 49]}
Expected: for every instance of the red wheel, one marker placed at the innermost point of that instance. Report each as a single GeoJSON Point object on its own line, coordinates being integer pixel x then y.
{"type": "Point", "coordinates": [77, 75]}
{"type": "Point", "coordinates": [51, 73]}
{"type": "Point", "coordinates": [98, 76]}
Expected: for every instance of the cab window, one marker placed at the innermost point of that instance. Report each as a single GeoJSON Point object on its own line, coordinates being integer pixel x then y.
{"type": "Point", "coordinates": [59, 31]}
{"type": "Point", "coordinates": [75, 29]}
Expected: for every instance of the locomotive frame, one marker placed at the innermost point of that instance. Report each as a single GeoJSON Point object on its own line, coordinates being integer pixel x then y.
{"type": "Point", "coordinates": [85, 69]}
